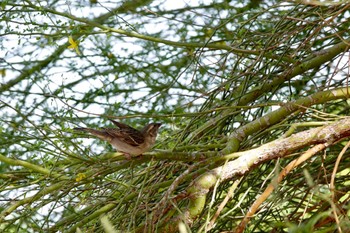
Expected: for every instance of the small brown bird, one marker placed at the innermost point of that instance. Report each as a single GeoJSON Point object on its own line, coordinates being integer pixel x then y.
{"type": "Point", "coordinates": [126, 139]}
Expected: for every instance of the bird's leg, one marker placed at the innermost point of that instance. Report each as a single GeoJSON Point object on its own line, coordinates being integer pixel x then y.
{"type": "Point", "coordinates": [127, 156]}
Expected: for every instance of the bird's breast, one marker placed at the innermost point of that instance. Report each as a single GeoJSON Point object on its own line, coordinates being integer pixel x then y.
{"type": "Point", "coordinates": [130, 149]}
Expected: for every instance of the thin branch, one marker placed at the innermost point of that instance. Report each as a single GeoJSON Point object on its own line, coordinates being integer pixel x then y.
{"type": "Point", "coordinates": [257, 203]}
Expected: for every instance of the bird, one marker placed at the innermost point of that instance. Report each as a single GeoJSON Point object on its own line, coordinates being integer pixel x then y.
{"type": "Point", "coordinates": [131, 142]}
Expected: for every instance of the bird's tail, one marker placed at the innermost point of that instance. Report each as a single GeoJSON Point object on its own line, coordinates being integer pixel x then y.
{"type": "Point", "coordinates": [98, 133]}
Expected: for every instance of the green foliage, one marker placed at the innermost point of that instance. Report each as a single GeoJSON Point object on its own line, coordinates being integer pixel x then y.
{"type": "Point", "coordinates": [212, 72]}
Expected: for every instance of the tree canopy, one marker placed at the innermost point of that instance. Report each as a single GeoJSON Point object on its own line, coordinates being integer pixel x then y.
{"type": "Point", "coordinates": [252, 96]}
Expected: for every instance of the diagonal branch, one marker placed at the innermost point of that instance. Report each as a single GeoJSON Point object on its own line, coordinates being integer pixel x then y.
{"type": "Point", "coordinates": [249, 159]}
{"type": "Point", "coordinates": [309, 64]}
{"type": "Point", "coordinates": [257, 203]}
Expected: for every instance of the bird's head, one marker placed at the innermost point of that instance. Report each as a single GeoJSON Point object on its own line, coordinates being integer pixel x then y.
{"type": "Point", "coordinates": [151, 129]}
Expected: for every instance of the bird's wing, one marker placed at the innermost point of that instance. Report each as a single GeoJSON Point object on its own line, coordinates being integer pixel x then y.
{"type": "Point", "coordinates": [128, 135]}
{"type": "Point", "coordinates": [121, 125]}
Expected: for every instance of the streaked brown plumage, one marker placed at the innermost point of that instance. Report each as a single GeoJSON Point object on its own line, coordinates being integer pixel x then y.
{"type": "Point", "coordinates": [126, 139]}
